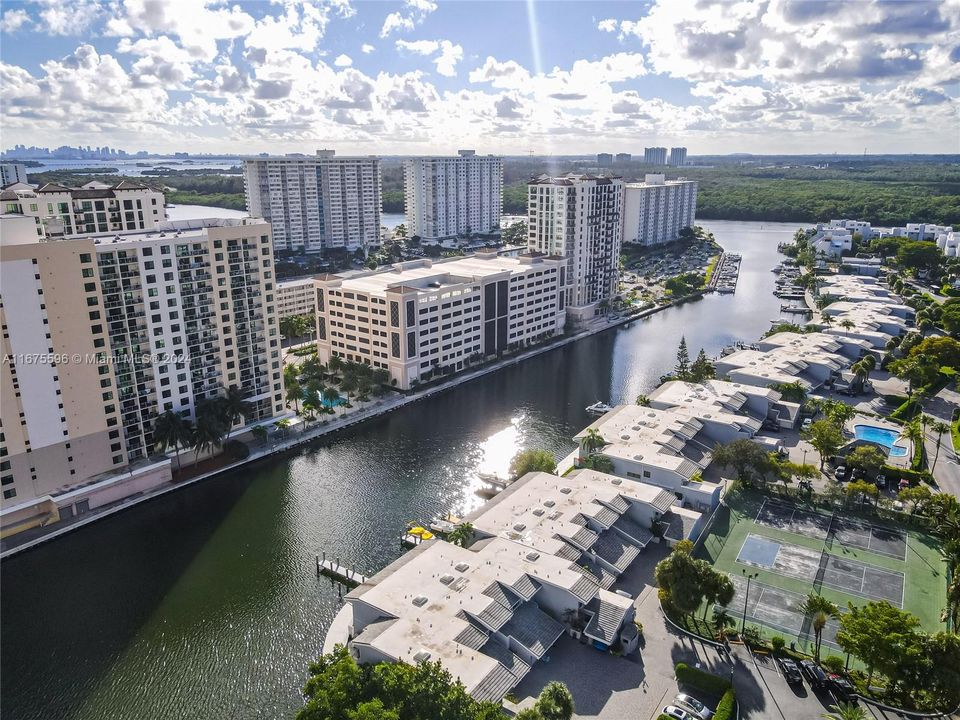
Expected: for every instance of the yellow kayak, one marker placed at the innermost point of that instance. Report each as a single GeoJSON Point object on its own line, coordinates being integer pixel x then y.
{"type": "Point", "coordinates": [421, 532]}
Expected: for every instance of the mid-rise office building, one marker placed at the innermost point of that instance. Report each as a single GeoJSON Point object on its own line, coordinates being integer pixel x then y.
{"type": "Point", "coordinates": [296, 297]}
{"type": "Point", "coordinates": [12, 173]}
{"type": "Point", "coordinates": [423, 318]}
{"type": "Point", "coordinates": [448, 197]}
{"type": "Point", "coordinates": [97, 207]}
{"type": "Point", "coordinates": [316, 203]}
{"type": "Point", "coordinates": [656, 210]}
{"type": "Point", "coordinates": [105, 332]}
{"type": "Point", "coordinates": [604, 159]}
{"type": "Point", "coordinates": [655, 156]}
{"type": "Point", "coordinates": [578, 218]}
{"type": "Point", "coordinates": [622, 158]}
{"type": "Point", "coordinates": [678, 156]}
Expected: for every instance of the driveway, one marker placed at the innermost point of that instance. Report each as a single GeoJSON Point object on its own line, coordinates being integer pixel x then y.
{"type": "Point", "coordinates": [637, 687]}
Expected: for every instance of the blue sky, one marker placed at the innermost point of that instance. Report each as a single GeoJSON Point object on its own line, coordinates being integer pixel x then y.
{"type": "Point", "coordinates": [508, 77]}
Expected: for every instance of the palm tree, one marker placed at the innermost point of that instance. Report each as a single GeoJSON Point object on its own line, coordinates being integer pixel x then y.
{"type": "Point", "coordinates": [282, 425]}
{"type": "Point", "coordinates": [172, 430]}
{"type": "Point", "coordinates": [260, 433]}
{"type": "Point", "coordinates": [349, 385]}
{"type": "Point", "coordinates": [331, 397]}
{"type": "Point", "coordinates": [939, 428]}
{"type": "Point", "coordinates": [913, 432]}
{"type": "Point", "coordinates": [722, 621]}
{"type": "Point", "coordinates": [593, 441]}
{"type": "Point", "coordinates": [845, 711]}
{"type": "Point", "coordinates": [293, 393]}
{"type": "Point", "coordinates": [234, 406]}
{"type": "Point", "coordinates": [820, 610]}
{"type": "Point", "coordinates": [847, 325]}
{"type": "Point", "coordinates": [209, 430]}
{"type": "Point", "coordinates": [643, 401]}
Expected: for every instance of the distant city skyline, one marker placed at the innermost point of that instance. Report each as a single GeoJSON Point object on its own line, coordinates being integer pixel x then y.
{"type": "Point", "coordinates": [420, 77]}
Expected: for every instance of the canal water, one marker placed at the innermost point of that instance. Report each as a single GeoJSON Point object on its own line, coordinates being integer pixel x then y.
{"type": "Point", "coordinates": [205, 604]}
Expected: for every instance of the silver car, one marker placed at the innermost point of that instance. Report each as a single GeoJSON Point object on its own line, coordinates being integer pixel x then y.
{"type": "Point", "coordinates": [698, 708]}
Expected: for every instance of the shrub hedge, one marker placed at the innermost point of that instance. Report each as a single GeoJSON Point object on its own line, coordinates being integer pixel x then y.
{"type": "Point", "coordinates": [726, 706]}
{"type": "Point", "coordinates": [708, 682]}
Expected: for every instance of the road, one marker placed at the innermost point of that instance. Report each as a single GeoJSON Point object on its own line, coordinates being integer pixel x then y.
{"type": "Point", "coordinates": [947, 471]}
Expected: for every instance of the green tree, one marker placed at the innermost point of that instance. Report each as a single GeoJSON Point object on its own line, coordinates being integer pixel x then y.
{"type": "Point", "coordinates": [868, 458]}
{"type": "Point", "coordinates": [940, 350]}
{"type": "Point", "coordinates": [819, 609]}
{"type": "Point", "coordinates": [845, 711]}
{"type": "Point", "coordinates": [679, 578]}
{"type": "Point", "coordinates": [555, 702]}
{"type": "Point", "coordinates": [331, 397]}
{"type": "Point", "coordinates": [702, 369]}
{"type": "Point", "coordinates": [234, 406]}
{"type": "Point", "coordinates": [939, 428]}
{"type": "Point", "coordinates": [825, 437]}
{"type": "Point", "coordinates": [682, 369]}
{"type": "Point", "coordinates": [260, 433]}
{"type": "Point", "coordinates": [283, 424]}
{"type": "Point", "coordinates": [643, 401]}
{"type": "Point", "coordinates": [749, 461]}
{"type": "Point", "coordinates": [532, 460]}
{"type": "Point", "coordinates": [600, 463]}
{"type": "Point", "coordinates": [293, 393]}
{"type": "Point", "coordinates": [917, 496]}
{"type": "Point", "coordinates": [919, 255]}
{"type": "Point", "coordinates": [461, 535]}
{"type": "Point", "coordinates": [792, 391]}
{"type": "Point", "coordinates": [172, 430]}
{"type": "Point", "coordinates": [210, 428]}
{"type": "Point", "coordinates": [880, 635]}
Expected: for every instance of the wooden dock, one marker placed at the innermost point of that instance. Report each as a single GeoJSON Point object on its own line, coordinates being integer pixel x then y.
{"type": "Point", "coordinates": [341, 573]}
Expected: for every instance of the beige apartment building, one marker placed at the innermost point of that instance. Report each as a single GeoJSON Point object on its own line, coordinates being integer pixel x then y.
{"type": "Point", "coordinates": [296, 297]}
{"type": "Point", "coordinates": [424, 318]}
{"type": "Point", "coordinates": [97, 207]}
{"type": "Point", "coordinates": [102, 333]}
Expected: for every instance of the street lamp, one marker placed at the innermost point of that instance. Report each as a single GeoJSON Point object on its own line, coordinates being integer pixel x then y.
{"type": "Point", "coordinates": [746, 599]}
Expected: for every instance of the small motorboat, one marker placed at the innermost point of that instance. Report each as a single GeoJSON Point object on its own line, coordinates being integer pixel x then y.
{"type": "Point", "coordinates": [599, 408]}
{"type": "Point", "coordinates": [493, 479]}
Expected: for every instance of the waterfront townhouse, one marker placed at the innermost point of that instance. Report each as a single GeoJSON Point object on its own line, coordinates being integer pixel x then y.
{"type": "Point", "coordinates": [97, 207]}
{"type": "Point", "coordinates": [449, 197]}
{"type": "Point", "coordinates": [669, 448]}
{"type": "Point", "coordinates": [858, 227]}
{"type": "Point", "coordinates": [832, 241]}
{"type": "Point", "coordinates": [803, 343]}
{"type": "Point", "coordinates": [423, 318]}
{"type": "Point", "coordinates": [599, 522]}
{"type": "Point", "coordinates": [107, 331]}
{"type": "Point", "coordinates": [316, 203]}
{"type": "Point", "coordinates": [544, 555]}
{"type": "Point", "coordinates": [579, 218]}
{"type": "Point", "coordinates": [656, 210]}
{"type": "Point", "coordinates": [763, 404]}
{"type": "Point", "coordinates": [891, 318]}
{"type": "Point", "coordinates": [811, 367]}
{"type": "Point", "coordinates": [917, 231]}
{"type": "Point", "coordinates": [855, 288]}
{"type": "Point", "coordinates": [296, 297]}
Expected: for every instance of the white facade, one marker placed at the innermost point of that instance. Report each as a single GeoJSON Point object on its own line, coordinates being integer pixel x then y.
{"type": "Point", "coordinates": [832, 241]}
{"type": "Point", "coordinates": [655, 156]}
{"type": "Point", "coordinates": [424, 318]}
{"type": "Point", "coordinates": [656, 210]}
{"type": "Point", "coordinates": [60, 211]}
{"type": "Point", "coordinates": [949, 242]}
{"type": "Point", "coordinates": [316, 203]}
{"type": "Point", "coordinates": [578, 217]}
{"type": "Point", "coordinates": [296, 297]}
{"type": "Point", "coordinates": [860, 227]}
{"type": "Point", "coordinates": [678, 156]}
{"type": "Point", "coordinates": [447, 197]}
{"type": "Point", "coordinates": [12, 173]}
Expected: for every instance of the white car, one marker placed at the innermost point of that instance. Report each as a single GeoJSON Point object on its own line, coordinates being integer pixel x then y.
{"type": "Point", "coordinates": [678, 713]}
{"type": "Point", "coordinates": [807, 422]}
{"type": "Point", "coordinates": [695, 705]}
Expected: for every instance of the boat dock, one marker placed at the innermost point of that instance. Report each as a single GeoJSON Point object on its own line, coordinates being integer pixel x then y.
{"type": "Point", "coordinates": [341, 573]}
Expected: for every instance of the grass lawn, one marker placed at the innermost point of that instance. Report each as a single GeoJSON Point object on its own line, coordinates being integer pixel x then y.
{"type": "Point", "coordinates": [924, 570]}
{"type": "Point", "coordinates": [710, 268]}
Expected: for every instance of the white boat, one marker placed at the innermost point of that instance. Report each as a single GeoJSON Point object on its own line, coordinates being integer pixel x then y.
{"type": "Point", "coordinates": [599, 408]}
{"type": "Point", "coordinates": [493, 479]}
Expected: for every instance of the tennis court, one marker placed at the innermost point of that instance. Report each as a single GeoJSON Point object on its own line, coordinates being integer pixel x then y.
{"type": "Point", "coordinates": [822, 568]}
{"type": "Point", "coordinates": [874, 538]}
{"type": "Point", "coordinates": [793, 519]}
{"type": "Point", "coordinates": [776, 608]}
{"type": "Point", "coordinates": [817, 526]}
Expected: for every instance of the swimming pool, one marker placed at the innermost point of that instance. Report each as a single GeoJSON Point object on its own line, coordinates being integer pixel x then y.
{"type": "Point", "coordinates": [880, 436]}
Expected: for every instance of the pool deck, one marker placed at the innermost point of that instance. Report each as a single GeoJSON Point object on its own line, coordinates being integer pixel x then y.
{"type": "Point", "coordinates": [850, 436]}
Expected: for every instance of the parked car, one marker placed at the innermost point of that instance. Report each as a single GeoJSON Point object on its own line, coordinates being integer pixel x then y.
{"type": "Point", "coordinates": [813, 673]}
{"type": "Point", "coordinates": [678, 713]}
{"type": "Point", "coordinates": [881, 481]}
{"type": "Point", "coordinates": [807, 422]}
{"type": "Point", "coordinates": [841, 472]}
{"type": "Point", "coordinates": [842, 689]}
{"type": "Point", "coordinates": [698, 708]}
{"type": "Point", "coordinates": [790, 671]}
